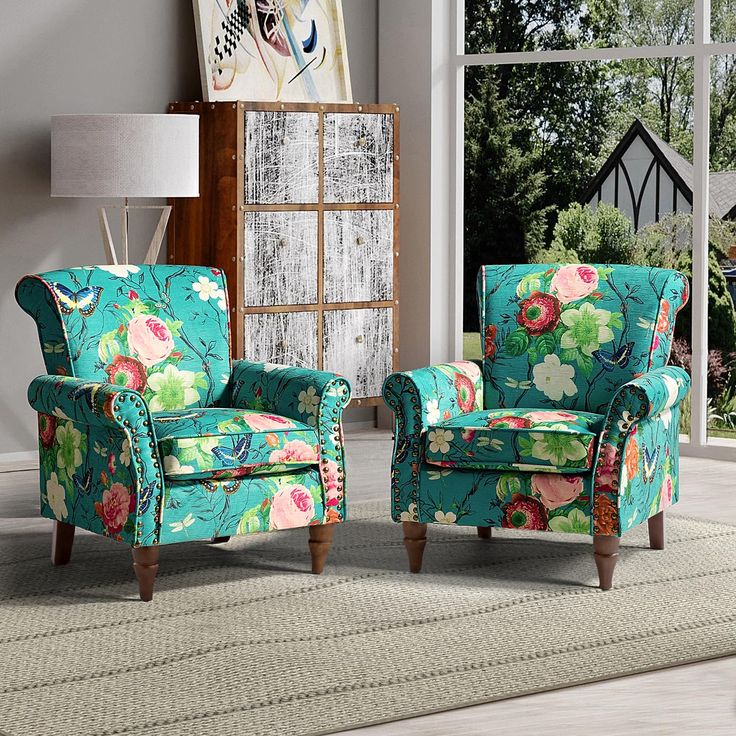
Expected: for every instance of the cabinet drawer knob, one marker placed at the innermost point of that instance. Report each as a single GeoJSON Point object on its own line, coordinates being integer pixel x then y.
{"type": "Point", "coordinates": [361, 141]}
{"type": "Point", "coordinates": [360, 240]}
{"type": "Point", "coordinates": [359, 338]}
{"type": "Point", "coordinates": [285, 140]}
{"type": "Point", "coordinates": [283, 241]}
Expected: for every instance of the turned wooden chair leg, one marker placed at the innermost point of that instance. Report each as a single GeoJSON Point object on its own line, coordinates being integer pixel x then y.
{"type": "Point", "coordinates": [219, 540]}
{"type": "Point", "coordinates": [484, 532]}
{"type": "Point", "coordinates": [656, 531]}
{"type": "Point", "coordinates": [605, 551]}
{"type": "Point", "coordinates": [320, 541]}
{"type": "Point", "coordinates": [145, 565]}
{"type": "Point", "coordinates": [62, 539]}
{"type": "Point", "coordinates": [415, 540]}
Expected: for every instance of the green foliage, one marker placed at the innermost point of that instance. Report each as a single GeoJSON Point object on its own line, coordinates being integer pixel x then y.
{"type": "Point", "coordinates": [668, 244]}
{"type": "Point", "coordinates": [504, 214]}
{"type": "Point", "coordinates": [517, 343]}
{"type": "Point", "coordinates": [615, 235]}
{"type": "Point", "coordinates": [582, 235]}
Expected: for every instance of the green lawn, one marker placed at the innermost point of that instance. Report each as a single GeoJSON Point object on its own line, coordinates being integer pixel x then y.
{"type": "Point", "coordinates": [471, 345]}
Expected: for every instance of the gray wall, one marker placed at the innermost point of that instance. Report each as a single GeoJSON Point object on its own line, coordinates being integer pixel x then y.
{"type": "Point", "coordinates": [75, 56]}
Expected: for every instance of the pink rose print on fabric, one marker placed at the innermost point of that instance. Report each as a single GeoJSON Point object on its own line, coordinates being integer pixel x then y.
{"type": "Point", "coordinates": [550, 416]}
{"type": "Point", "coordinates": [150, 339]}
{"type": "Point", "coordinates": [295, 451]}
{"type": "Point", "coordinates": [606, 469]}
{"type": "Point", "coordinates": [332, 483]}
{"type": "Point", "coordinates": [574, 282]}
{"type": "Point", "coordinates": [666, 492]}
{"type": "Point", "coordinates": [511, 421]}
{"type": "Point", "coordinates": [46, 429]}
{"type": "Point", "coordinates": [291, 506]}
{"type": "Point", "coordinates": [264, 422]}
{"type": "Point", "coordinates": [116, 504]}
{"type": "Point", "coordinates": [557, 490]}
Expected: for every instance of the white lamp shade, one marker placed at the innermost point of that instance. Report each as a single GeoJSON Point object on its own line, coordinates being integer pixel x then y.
{"type": "Point", "coordinates": [125, 156]}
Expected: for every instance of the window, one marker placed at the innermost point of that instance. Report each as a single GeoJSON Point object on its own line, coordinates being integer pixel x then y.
{"type": "Point", "coordinates": [616, 120]}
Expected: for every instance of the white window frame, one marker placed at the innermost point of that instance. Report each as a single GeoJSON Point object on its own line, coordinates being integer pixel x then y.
{"type": "Point", "coordinates": [701, 51]}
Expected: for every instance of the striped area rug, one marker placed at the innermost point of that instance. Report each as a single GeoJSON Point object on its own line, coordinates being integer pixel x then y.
{"type": "Point", "coordinates": [240, 638]}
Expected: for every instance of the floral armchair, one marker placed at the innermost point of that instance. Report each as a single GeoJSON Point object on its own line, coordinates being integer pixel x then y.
{"type": "Point", "coordinates": [571, 422]}
{"type": "Point", "coordinates": [150, 435]}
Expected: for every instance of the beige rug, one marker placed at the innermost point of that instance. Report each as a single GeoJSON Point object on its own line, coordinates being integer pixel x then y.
{"type": "Point", "coordinates": [241, 639]}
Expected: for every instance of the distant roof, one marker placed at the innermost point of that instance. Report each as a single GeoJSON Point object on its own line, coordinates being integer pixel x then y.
{"type": "Point", "coordinates": [722, 183]}
{"type": "Point", "coordinates": [723, 193]}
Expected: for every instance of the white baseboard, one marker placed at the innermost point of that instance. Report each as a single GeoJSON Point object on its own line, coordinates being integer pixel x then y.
{"type": "Point", "coordinates": [27, 460]}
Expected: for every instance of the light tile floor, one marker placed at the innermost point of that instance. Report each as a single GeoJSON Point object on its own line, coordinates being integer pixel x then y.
{"type": "Point", "coordinates": [692, 700]}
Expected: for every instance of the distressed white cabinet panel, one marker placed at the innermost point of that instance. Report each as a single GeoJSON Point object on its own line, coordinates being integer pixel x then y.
{"type": "Point", "coordinates": [281, 157]}
{"type": "Point", "coordinates": [358, 344]}
{"type": "Point", "coordinates": [280, 264]}
{"type": "Point", "coordinates": [358, 255]}
{"type": "Point", "coordinates": [358, 157]}
{"type": "Point", "coordinates": [286, 337]}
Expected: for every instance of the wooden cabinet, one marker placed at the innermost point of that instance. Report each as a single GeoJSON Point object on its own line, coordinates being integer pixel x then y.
{"type": "Point", "coordinates": [299, 206]}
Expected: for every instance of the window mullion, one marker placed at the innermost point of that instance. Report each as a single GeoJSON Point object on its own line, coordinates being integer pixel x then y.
{"type": "Point", "coordinates": [701, 198]}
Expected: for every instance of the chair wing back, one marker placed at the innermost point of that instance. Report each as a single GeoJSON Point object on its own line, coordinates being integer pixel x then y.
{"type": "Point", "coordinates": [566, 336]}
{"type": "Point", "coordinates": [160, 330]}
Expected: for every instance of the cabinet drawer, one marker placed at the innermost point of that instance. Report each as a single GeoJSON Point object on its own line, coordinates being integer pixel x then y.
{"type": "Point", "coordinates": [358, 255]}
{"type": "Point", "coordinates": [358, 157]}
{"type": "Point", "coordinates": [280, 266]}
{"type": "Point", "coordinates": [289, 338]}
{"type": "Point", "coordinates": [358, 343]}
{"type": "Point", "coordinates": [281, 157]}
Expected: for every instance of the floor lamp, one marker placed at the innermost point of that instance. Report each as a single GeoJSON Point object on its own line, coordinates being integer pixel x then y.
{"type": "Point", "coordinates": [125, 156]}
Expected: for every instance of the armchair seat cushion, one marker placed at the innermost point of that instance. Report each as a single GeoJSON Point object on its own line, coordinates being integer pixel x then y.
{"type": "Point", "coordinates": [227, 443]}
{"type": "Point", "coordinates": [533, 440]}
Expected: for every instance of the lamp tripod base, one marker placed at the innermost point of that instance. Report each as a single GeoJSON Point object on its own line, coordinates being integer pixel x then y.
{"type": "Point", "coordinates": [155, 244]}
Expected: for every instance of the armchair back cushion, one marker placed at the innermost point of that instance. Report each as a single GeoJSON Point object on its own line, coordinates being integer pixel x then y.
{"type": "Point", "coordinates": [160, 330]}
{"type": "Point", "coordinates": [567, 336]}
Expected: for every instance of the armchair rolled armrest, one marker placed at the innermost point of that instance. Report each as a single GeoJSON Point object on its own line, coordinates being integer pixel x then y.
{"type": "Point", "coordinates": [100, 467]}
{"type": "Point", "coordinates": [88, 402]}
{"type": "Point", "coordinates": [426, 396]}
{"type": "Point", "coordinates": [309, 396]}
{"type": "Point", "coordinates": [418, 399]}
{"type": "Point", "coordinates": [316, 398]}
{"type": "Point", "coordinates": [648, 398]}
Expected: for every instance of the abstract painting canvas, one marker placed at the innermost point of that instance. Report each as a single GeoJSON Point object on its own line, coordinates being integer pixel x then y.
{"type": "Point", "coordinates": [273, 50]}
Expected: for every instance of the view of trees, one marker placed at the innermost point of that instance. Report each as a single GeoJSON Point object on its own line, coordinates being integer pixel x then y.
{"type": "Point", "coordinates": [537, 133]}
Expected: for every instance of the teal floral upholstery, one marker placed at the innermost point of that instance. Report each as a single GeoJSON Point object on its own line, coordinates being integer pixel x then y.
{"type": "Point", "coordinates": [508, 439]}
{"type": "Point", "coordinates": [571, 424]}
{"type": "Point", "coordinates": [149, 434]}
{"type": "Point", "coordinates": [231, 443]}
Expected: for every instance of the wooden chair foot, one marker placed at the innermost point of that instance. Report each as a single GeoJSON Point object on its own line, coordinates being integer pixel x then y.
{"type": "Point", "coordinates": [320, 541]}
{"type": "Point", "coordinates": [484, 532]}
{"type": "Point", "coordinates": [605, 551]}
{"type": "Point", "coordinates": [415, 540]}
{"type": "Point", "coordinates": [656, 531]}
{"type": "Point", "coordinates": [145, 565]}
{"type": "Point", "coordinates": [219, 540]}
{"type": "Point", "coordinates": [62, 539]}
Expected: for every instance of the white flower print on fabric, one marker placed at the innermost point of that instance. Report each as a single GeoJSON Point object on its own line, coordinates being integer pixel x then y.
{"type": "Point", "coordinates": [439, 440]}
{"type": "Point", "coordinates": [554, 379]}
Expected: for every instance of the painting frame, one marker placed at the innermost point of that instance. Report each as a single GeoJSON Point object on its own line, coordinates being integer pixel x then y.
{"type": "Point", "coordinates": [272, 50]}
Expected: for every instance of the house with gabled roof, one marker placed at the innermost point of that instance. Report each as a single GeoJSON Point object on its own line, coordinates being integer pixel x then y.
{"type": "Point", "coordinates": [646, 179]}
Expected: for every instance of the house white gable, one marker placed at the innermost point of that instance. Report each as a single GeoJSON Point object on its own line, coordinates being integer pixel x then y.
{"type": "Point", "coordinates": [642, 179]}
